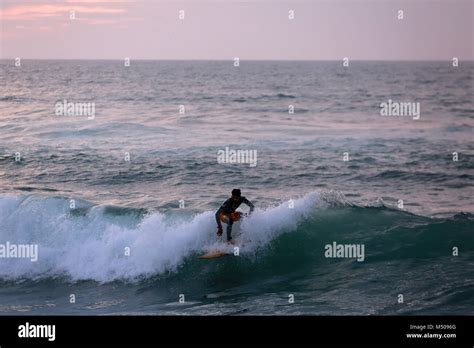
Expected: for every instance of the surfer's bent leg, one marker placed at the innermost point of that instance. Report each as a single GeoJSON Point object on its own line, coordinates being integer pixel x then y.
{"type": "Point", "coordinates": [229, 229]}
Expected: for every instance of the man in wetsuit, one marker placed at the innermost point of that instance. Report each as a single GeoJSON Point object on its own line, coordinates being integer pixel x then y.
{"type": "Point", "coordinates": [227, 213]}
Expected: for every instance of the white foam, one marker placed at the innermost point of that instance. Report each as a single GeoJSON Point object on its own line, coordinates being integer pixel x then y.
{"type": "Point", "coordinates": [92, 246]}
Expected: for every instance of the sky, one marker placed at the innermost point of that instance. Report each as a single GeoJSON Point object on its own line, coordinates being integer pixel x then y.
{"type": "Point", "coordinates": [248, 29]}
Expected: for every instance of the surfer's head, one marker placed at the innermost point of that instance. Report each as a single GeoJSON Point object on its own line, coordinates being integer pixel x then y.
{"type": "Point", "coordinates": [236, 194]}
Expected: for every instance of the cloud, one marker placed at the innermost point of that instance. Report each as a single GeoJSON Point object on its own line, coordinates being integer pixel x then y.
{"type": "Point", "coordinates": [97, 21]}
{"type": "Point", "coordinates": [97, 1]}
{"type": "Point", "coordinates": [35, 12]}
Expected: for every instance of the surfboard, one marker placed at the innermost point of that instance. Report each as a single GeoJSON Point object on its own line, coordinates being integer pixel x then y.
{"type": "Point", "coordinates": [213, 254]}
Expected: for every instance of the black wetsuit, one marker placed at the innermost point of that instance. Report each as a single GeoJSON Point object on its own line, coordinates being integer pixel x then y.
{"type": "Point", "coordinates": [228, 207]}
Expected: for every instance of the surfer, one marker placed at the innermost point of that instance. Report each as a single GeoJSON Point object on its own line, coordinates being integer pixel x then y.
{"type": "Point", "coordinates": [227, 213]}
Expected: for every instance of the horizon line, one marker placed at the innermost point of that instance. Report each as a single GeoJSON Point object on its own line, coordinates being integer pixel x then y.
{"type": "Point", "coordinates": [240, 60]}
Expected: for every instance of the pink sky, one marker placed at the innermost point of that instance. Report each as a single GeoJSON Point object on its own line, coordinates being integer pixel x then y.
{"type": "Point", "coordinates": [219, 29]}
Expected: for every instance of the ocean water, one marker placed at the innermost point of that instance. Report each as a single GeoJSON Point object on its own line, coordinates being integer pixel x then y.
{"type": "Point", "coordinates": [128, 168]}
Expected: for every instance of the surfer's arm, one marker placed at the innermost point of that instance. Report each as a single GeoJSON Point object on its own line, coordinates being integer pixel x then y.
{"type": "Point", "coordinates": [218, 214]}
{"type": "Point", "coordinates": [246, 201]}
{"type": "Point", "coordinates": [221, 210]}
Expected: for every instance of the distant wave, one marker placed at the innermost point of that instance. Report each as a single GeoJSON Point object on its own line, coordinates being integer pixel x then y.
{"type": "Point", "coordinates": [264, 97]}
{"type": "Point", "coordinates": [14, 98]}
